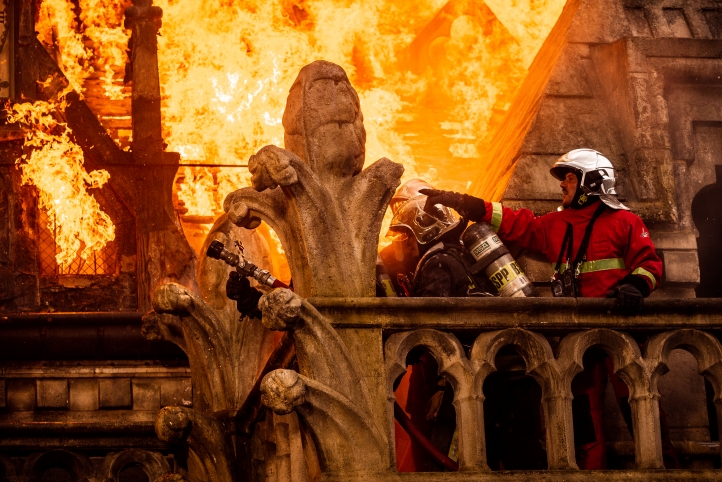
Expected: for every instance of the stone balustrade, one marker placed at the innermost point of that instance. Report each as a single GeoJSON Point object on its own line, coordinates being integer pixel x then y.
{"type": "Point", "coordinates": [551, 335]}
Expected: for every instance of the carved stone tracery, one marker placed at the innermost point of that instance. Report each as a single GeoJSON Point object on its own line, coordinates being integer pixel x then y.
{"type": "Point", "coordinates": [555, 375]}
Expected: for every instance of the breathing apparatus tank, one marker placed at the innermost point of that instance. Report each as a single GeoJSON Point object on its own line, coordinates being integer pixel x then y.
{"type": "Point", "coordinates": [493, 258]}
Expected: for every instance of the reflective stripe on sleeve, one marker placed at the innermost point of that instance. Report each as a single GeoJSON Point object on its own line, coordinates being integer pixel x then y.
{"type": "Point", "coordinates": [643, 272]}
{"type": "Point", "coordinates": [496, 212]}
{"type": "Point", "coordinates": [599, 265]}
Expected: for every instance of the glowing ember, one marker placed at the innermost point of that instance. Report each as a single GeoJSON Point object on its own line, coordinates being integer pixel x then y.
{"type": "Point", "coordinates": [55, 167]}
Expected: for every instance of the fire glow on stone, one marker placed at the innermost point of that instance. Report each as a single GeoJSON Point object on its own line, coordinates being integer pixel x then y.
{"type": "Point", "coordinates": [435, 77]}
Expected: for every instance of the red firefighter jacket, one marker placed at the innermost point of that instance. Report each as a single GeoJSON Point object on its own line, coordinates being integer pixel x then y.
{"type": "Point", "coordinates": [620, 243]}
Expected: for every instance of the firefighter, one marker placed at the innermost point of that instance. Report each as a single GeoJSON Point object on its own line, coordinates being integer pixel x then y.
{"type": "Point", "coordinates": [618, 258]}
{"type": "Point", "coordinates": [598, 248]}
{"type": "Point", "coordinates": [428, 237]}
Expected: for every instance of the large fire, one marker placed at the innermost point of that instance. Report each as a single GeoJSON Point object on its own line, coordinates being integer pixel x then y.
{"type": "Point", "coordinates": [55, 167]}
{"type": "Point", "coordinates": [435, 77]}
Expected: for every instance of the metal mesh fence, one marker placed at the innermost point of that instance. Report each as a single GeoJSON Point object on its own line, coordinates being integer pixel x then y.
{"type": "Point", "coordinates": [101, 262]}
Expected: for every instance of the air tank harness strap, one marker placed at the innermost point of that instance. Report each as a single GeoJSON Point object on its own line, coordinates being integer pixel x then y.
{"type": "Point", "coordinates": [569, 238]}
{"type": "Point", "coordinates": [568, 245]}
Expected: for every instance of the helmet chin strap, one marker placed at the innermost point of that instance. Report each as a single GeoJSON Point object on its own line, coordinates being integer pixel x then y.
{"type": "Point", "coordinates": [582, 199]}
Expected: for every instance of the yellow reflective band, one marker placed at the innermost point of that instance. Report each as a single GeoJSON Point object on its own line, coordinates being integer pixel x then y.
{"type": "Point", "coordinates": [496, 212]}
{"type": "Point", "coordinates": [644, 272]}
{"type": "Point", "coordinates": [598, 265]}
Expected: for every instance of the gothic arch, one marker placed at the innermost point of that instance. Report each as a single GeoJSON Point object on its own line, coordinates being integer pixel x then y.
{"type": "Point", "coordinates": [456, 368]}
{"type": "Point", "coordinates": [634, 371]}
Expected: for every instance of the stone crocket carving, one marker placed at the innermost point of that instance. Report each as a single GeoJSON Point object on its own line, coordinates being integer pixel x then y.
{"type": "Point", "coordinates": [331, 396]}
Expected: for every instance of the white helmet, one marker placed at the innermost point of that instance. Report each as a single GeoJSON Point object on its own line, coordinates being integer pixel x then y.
{"type": "Point", "coordinates": [408, 204]}
{"type": "Point", "coordinates": [594, 172]}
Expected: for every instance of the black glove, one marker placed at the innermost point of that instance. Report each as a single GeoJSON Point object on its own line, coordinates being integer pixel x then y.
{"type": "Point", "coordinates": [630, 294]}
{"type": "Point", "coordinates": [471, 208]}
{"type": "Point", "coordinates": [239, 288]}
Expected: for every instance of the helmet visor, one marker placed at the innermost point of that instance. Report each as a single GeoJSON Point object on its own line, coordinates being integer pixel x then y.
{"type": "Point", "coordinates": [426, 226]}
{"type": "Point", "coordinates": [560, 172]}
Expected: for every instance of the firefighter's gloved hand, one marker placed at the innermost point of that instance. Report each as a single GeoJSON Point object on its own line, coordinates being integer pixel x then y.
{"type": "Point", "coordinates": [238, 288]}
{"type": "Point", "coordinates": [470, 207]}
{"type": "Point", "coordinates": [629, 299]}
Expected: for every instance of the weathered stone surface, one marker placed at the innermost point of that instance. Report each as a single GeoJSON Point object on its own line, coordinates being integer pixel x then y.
{"type": "Point", "coordinates": [347, 442]}
{"type": "Point", "coordinates": [570, 75]}
{"type": "Point", "coordinates": [330, 394]}
{"type": "Point", "coordinates": [532, 180]}
{"type": "Point", "coordinates": [114, 393]}
{"type": "Point", "coordinates": [205, 436]}
{"type": "Point", "coordinates": [147, 394]}
{"type": "Point", "coordinates": [681, 267]}
{"type": "Point", "coordinates": [84, 394]}
{"type": "Point", "coordinates": [52, 394]}
{"type": "Point", "coordinates": [175, 391]}
{"type": "Point", "coordinates": [152, 463]}
{"type": "Point", "coordinates": [577, 123]}
{"type": "Point", "coordinates": [20, 394]}
{"type": "Point", "coordinates": [76, 464]}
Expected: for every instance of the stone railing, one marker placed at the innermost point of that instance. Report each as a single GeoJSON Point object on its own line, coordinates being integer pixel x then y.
{"type": "Point", "coordinates": [351, 351]}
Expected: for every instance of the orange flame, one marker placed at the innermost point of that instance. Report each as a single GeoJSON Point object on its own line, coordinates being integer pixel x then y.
{"type": "Point", "coordinates": [55, 167]}
{"type": "Point", "coordinates": [58, 29]}
{"type": "Point", "coordinates": [435, 77]}
{"type": "Point", "coordinates": [102, 22]}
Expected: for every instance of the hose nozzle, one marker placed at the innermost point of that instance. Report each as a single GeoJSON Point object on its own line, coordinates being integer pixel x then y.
{"type": "Point", "coordinates": [217, 250]}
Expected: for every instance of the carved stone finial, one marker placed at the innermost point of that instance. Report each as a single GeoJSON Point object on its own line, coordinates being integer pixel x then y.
{"type": "Point", "coordinates": [282, 391]}
{"type": "Point", "coordinates": [326, 210]}
{"type": "Point", "coordinates": [281, 309]}
{"type": "Point", "coordinates": [204, 435]}
{"type": "Point", "coordinates": [240, 215]}
{"type": "Point", "coordinates": [171, 297]}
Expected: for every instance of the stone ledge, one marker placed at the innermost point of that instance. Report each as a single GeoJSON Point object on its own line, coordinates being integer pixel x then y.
{"type": "Point", "coordinates": [681, 267]}
{"type": "Point", "coordinates": [139, 370]}
{"type": "Point", "coordinates": [98, 422]}
{"type": "Point", "coordinates": [534, 476]}
{"type": "Point", "coordinates": [674, 241]}
{"type": "Point", "coordinates": [38, 441]}
{"type": "Point", "coordinates": [538, 314]}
